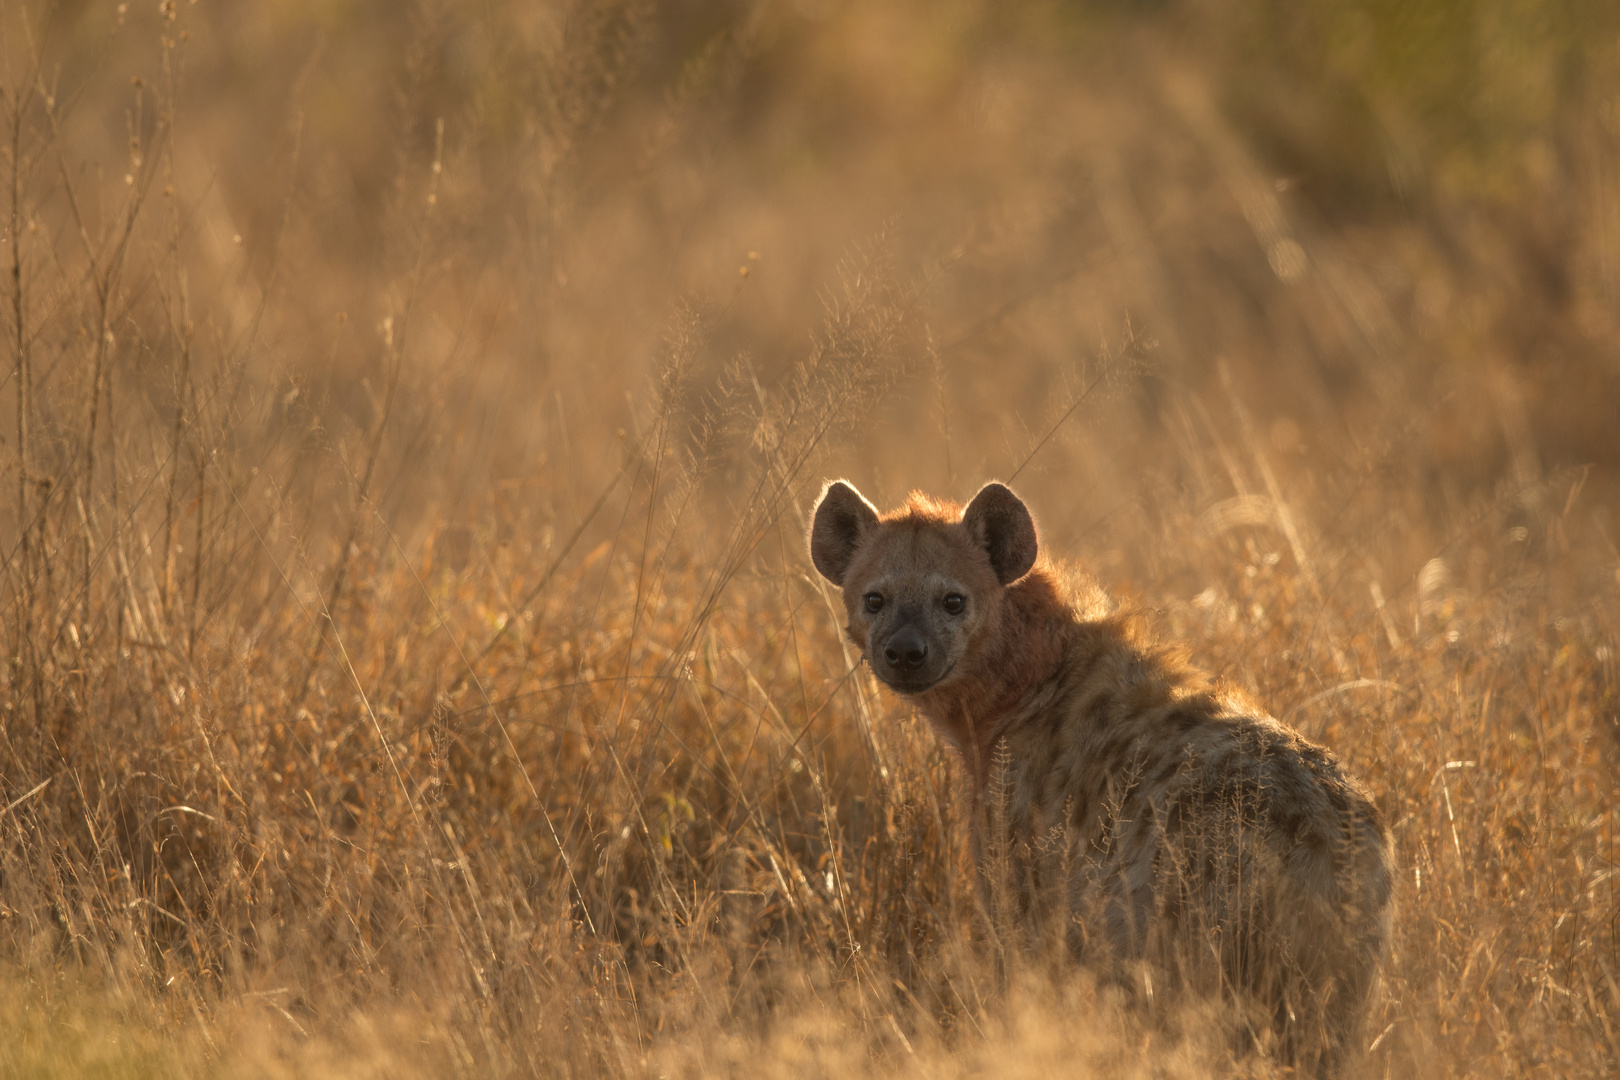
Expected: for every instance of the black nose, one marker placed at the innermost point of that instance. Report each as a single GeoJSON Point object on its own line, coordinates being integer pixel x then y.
{"type": "Point", "coordinates": [906, 650]}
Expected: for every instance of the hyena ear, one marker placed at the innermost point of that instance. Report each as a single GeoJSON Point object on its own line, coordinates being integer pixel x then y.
{"type": "Point", "coordinates": [842, 517]}
{"type": "Point", "coordinates": [1000, 523]}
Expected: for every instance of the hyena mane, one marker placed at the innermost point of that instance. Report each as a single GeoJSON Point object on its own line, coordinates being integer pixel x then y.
{"type": "Point", "coordinates": [1121, 805]}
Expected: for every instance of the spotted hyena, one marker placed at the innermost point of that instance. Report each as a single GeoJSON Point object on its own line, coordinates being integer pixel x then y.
{"type": "Point", "coordinates": [1155, 823]}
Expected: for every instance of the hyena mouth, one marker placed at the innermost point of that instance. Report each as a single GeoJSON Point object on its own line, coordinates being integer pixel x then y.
{"type": "Point", "coordinates": [915, 684]}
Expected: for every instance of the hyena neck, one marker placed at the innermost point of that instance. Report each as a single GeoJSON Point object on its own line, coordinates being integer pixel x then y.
{"type": "Point", "coordinates": [1023, 655]}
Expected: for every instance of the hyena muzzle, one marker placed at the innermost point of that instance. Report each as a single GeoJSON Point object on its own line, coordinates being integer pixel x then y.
{"type": "Point", "coordinates": [1154, 823]}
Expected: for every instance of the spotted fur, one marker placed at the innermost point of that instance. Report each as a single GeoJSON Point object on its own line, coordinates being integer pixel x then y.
{"type": "Point", "coordinates": [1120, 804]}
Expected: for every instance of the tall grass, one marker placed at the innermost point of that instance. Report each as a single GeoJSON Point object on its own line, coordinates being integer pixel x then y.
{"type": "Point", "coordinates": [412, 662]}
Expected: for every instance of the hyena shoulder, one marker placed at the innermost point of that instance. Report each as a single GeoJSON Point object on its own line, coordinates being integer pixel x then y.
{"type": "Point", "coordinates": [1129, 729]}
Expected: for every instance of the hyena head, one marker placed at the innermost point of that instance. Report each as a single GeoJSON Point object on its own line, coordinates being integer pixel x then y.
{"type": "Point", "coordinates": [923, 586]}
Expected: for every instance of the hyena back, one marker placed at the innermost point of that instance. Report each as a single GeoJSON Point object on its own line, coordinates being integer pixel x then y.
{"type": "Point", "coordinates": [1153, 821]}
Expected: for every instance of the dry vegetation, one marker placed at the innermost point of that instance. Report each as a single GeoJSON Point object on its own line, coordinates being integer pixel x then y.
{"type": "Point", "coordinates": [412, 664]}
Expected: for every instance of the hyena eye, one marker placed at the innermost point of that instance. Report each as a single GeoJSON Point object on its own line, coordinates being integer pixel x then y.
{"type": "Point", "coordinates": [954, 603]}
{"type": "Point", "coordinates": [874, 602]}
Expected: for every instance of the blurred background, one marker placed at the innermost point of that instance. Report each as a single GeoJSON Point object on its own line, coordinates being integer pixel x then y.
{"type": "Point", "coordinates": [1394, 222]}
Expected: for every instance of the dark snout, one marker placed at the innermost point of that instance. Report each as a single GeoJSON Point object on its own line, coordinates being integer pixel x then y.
{"type": "Point", "coordinates": [907, 663]}
{"type": "Point", "coordinates": [906, 651]}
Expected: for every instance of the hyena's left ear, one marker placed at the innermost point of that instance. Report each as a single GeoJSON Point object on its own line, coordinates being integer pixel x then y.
{"type": "Point", "coordinates": [1000, 522]}
{"type": "Point", "coordinates": [842, 516]}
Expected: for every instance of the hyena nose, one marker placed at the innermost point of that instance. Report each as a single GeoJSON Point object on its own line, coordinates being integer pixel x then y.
{"type": "Point", "coordinates": [906, 650]}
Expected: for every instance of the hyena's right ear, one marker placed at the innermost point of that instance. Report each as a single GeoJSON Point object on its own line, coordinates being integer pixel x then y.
{"type": "Point", "coordinates": [1000, 523]}
{"type": "Point", "coordinates": [842, 516]}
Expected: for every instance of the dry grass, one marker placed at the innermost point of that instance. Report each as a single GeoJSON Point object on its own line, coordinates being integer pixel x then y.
{"type": "Point", "coordinates": [413, 664]}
